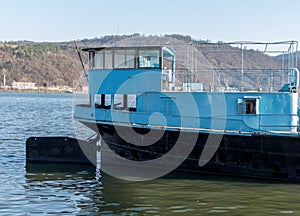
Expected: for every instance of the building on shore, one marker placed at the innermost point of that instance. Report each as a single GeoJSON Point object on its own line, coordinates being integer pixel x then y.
{"type": "Point", "coordinates": [23, 85]}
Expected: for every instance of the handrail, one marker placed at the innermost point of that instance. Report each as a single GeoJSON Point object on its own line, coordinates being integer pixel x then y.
{"type": "Point", "coordinates": [224, 79]}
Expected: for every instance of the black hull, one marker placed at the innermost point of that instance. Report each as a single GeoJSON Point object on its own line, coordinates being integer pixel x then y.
{"type": "Point", "coordinates": [256, 156]}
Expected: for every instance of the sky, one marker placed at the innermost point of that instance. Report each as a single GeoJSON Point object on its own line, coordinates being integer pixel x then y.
{"type": "Point", "coordinates": [214, 20]}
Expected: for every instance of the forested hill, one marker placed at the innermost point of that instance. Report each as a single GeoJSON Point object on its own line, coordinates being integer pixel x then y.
{"type": "Point", "coordinates": [43, 63]}
{"type": "Point", "coordinates": [51, 64]}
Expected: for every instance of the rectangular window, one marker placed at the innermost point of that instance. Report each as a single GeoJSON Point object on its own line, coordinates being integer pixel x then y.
{"type": "Point", "coordinates": [97, 100]}
{"type": "Point", "coordinates": [98, 59]}
{"type": "Point", "coordinates": [102, 101]}
{"type": "Point", "coordinates": [125, 102]}
{"type": "Point", "coordinates": [248, 106]}
{"type": "Point", "coordinates": [119, 59]}
{"type": "Point", "coordinates": [241, 109]}
{"type": "Point", "coordinates": [91, 59]}
{"type": "Point", "coordinates": [131, 102]}
{"type": "Point", "coordinates": [108, 59]}
{"type": "Point", "coordinates": [251, 106]}
{"type": "Point", "coordinates": [119, 101]}
{"type": "Point", "coordinates": [130, 58]}
{"type": "Point", "coordinates": [107, 100]}
{"type": "Point", "coordinates": [124, 58]}
{"type": "Point", "coordinates": [149, 59]}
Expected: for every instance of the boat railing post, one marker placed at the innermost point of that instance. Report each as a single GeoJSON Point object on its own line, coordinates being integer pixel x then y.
{"type": "Point", "coordinates": [98, 158]}
{"type": "Point", "coordinates": [242, 68]}
{"type": "Point", "coordinates": [296, 53]}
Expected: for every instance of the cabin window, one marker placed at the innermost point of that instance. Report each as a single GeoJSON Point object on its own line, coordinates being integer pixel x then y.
{"type": "Point", "coordinates": [91, 59]}
{"type": "Point", "coordinates": [248, 106]}
{"type": "Point", "coordinates": [97, 100]}
{"type": "Point", "coordinates": [108, 59]}
{"type": "Point", "coordinates": [251, 106]}
{"type": "Point", "coordinates": [102, 101]}
{"type": "Point", "coordinates": [130, 59]}
{"type": "Point", "coordinates": [124, 58]}
{"type": "Point", "coordinates": [149, 59]}
{"type": "Point", "coordinates": [98, 60]}
{"type": "Point", "coordinates": [119, 58]}
{"type": "Point", "coordinates": [125, 102]}
{"type": "Point", "coordinates": [107, 101]}
{"type": "Point", "coordinates": [131, 102]}
{"type": "Point", "coordinates": [120, 101]}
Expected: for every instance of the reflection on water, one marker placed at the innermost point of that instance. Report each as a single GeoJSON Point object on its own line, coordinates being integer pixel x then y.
{"type": "Point", "coordinates": [75, 190]}
{"type": "Point", "coordinates": [55, 189]}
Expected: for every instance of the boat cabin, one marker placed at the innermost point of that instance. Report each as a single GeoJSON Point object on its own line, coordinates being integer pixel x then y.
{"type": "Point", "coordinates": [125, 63]}
{"type": "Point", "coordinates": [139, 85]}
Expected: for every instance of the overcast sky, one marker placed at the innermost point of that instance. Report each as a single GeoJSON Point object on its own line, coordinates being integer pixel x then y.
{"type": "Point", "coordinates": [216, 20]}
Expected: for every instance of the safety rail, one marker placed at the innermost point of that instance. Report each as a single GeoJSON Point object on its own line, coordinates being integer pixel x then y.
{"type": "Point", "coordinates": [234, 80]}
{"type": "Point", "coordinates": [234, 66]}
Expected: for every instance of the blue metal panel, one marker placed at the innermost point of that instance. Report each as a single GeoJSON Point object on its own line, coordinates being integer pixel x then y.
{"type": "Point", "coordinates": [124, 81]}
{"type": "Point", "coordinates": [83, 112]}
{"type": "Point", "coordinates": [120, 116]}
{"type": "Point", "coordinates": [101, 114]}
{"type": "Point", "coordinates": [276, 111]}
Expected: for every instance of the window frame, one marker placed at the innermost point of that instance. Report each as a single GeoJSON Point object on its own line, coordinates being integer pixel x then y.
{"type": "Point", "coordinates": [248, 105]}
{"type": "Point", "coordinates": [150, 50]}
{"type": "Point", "coordinates": [126, 53]}
{"type": "Point", "coordinates": [129, 54]}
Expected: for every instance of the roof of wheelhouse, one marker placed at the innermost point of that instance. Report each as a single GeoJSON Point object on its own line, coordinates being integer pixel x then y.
{"type": "Point", "coordinates": [166, 50]}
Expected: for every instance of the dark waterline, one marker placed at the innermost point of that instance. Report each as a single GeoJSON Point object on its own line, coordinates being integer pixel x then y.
{"type": "Point", "coordinates": [73, 190]}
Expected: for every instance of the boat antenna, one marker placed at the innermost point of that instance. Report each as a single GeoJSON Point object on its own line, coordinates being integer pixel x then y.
{"type": "Point", "coordinates": [82, 65]}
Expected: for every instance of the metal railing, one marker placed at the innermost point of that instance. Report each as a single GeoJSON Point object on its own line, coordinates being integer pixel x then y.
{"type": "Point", "coordinates": [231, 80]}
{"type": "Point", "coordinates": [250, 66]}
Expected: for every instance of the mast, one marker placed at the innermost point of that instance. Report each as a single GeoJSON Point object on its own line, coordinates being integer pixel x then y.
{"type": "Point", "coordinates": [82, 65]}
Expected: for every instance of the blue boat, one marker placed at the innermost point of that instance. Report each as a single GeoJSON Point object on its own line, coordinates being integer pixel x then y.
{"type": "Point", "coordinates": [154, 115]}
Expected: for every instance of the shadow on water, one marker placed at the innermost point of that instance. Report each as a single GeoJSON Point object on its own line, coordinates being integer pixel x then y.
{"type": "Point", "coordinates": [75, 189]}
{"type": "Point", "coordinates": [178, 174]}
{"type": "Point", "coordinates": [39, 168]}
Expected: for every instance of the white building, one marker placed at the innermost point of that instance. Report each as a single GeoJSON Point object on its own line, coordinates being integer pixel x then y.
{"type": "Point", "coordinates": [23, 85]}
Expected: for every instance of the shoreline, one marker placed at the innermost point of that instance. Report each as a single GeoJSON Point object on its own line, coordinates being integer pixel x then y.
{"type": "Point", "coordinates": [36, 91]}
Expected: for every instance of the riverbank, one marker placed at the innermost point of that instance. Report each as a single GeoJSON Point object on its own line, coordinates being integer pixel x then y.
{"type": "Point", "coordinates": [37, 90]}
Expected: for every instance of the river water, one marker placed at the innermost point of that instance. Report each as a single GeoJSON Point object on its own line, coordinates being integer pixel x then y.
{"type": "Point", "coordinates": [73, 190]}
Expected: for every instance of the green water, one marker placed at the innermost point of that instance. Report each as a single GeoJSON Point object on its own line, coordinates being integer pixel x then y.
{"type": "Point", "coordinates": [176, 194]}
{"type": "Point", "coordinates": [73, 190]}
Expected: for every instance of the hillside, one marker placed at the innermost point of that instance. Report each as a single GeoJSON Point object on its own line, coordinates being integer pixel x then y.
{"type": "Point", "coordinates": [51, 64]}
{"type": "Point", "coordinates": [46, 64]}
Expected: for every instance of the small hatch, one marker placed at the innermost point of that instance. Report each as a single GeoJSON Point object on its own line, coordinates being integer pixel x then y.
{"type": "Point", "coordinates": [248, 105]}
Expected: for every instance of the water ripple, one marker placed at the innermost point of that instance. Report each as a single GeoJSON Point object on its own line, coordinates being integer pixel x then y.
{"type": "Point", "coordinates": [73, 190]}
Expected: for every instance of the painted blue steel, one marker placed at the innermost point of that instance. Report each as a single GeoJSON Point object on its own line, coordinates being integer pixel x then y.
{"type": "Point", "coordinates": [127, 81]}
{"type": "Point", "coordinates": [275, 111]}
{"type": "Point", "coordinates": [278, 115]}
